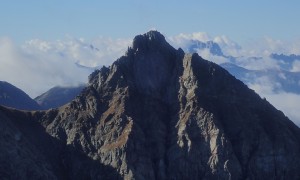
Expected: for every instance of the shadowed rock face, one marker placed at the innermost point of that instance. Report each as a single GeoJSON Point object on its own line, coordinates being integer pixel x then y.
{"type": "Point", "coordinates": [14, 97]}
{"type": "Point", "coordinates": [58, 96]}
{"type": "Point", "coordinates": [158, 113]}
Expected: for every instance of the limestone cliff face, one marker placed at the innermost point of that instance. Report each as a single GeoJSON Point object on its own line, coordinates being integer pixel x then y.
{"type": "Point", "coordinates": [158, 113]}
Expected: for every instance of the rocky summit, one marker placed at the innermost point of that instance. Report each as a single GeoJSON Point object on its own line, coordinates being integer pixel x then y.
{"type": "Point", "coordinates": [155, 113]}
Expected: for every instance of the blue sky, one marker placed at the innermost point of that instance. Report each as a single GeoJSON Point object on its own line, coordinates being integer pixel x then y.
{"type": "Point", "coordinates": [239, 20]}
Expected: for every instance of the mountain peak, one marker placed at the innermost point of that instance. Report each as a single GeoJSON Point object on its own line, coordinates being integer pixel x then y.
{"type": "Point", "coordinates": [155, 35]}
{"type": "Point", "coordinates": [151, 109]}
{"type": "Point", "coordinates": [150, 40]}
{"type": "Point", "coordinates": [152, 35]}
{"type": "Point", "coordinates": [148, 65]}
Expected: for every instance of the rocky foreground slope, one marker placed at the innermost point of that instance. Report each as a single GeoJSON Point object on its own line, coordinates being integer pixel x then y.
{"type": "Point", "coordinates": [156, 113]}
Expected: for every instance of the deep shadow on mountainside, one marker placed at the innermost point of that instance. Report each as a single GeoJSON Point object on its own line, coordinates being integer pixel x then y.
{"type": "Point", "coordinates": [14, 97]}
{"type": "Point", "coordinates": [58, 96]}
{"type": "Point", "coordinates": [156, 113]}
{"type": "Point", "coordinates": [55, 97]}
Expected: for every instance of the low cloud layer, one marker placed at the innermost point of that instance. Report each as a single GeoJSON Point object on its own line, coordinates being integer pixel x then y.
{"type": "Point", "coordinates": [288, 103]}
{"type": "Point", "coordinates": [296, 66]}
{"type": "Point", "coordinates": [91, 53]}
{"type": "Point", "coordinates": [38, 65]}
{"type": "Point", "coordinates": [228, 46]}
{"type": "Point", "coordinates": [205, 54]}
{"type": "Point", "coordinates": [255, 56]}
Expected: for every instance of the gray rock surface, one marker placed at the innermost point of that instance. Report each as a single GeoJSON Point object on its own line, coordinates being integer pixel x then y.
{"type": "Point", "coordinates": [157, 113]}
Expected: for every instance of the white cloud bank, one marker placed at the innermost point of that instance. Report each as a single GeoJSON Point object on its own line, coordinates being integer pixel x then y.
{"type": "Point", "coordinates": [288, 103]}
{"type": "Point", "coordinates": [39, 65]}
{"type": "Point", "coordinates": [296, 66]}
{"type": "Point", "coordinates": [254, 56]}
{"type": "Point", "coordinates": [205, 54]}
{"type": "Point", "coordinates": [228, 46]}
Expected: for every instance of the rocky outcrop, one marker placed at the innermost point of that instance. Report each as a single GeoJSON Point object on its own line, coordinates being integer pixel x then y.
{"type": "Point", "coordinates": [158, 113]}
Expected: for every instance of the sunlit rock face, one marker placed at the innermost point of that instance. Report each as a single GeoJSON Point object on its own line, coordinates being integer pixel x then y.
{"type": "Point", "coordinates": [156, 113]}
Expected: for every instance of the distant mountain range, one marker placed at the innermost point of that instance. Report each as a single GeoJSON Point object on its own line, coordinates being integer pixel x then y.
{"type": "Point", "coordinates": [283, 77]}
{"type": "Point", "coordinates": [196, 45]}
{"type": "Point", "coordinates": [285, 61]}
{"type": "Point", "coordinates": [286, 58]}
{"type": "Point", "coordinates": [274, 76]}
{"type": "Point", "coordinates": [58, 96]}
{"type": "Point", "coordinates": [14, 97]}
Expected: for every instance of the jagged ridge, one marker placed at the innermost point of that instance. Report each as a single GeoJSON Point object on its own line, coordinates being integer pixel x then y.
{"type": "Point", "coordinates": [158, 113]}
